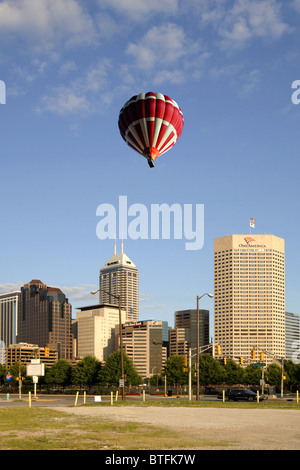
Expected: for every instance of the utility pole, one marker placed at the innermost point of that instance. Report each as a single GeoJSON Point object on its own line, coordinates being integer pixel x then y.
{"type": "Point", "coordinates": [198, 346]}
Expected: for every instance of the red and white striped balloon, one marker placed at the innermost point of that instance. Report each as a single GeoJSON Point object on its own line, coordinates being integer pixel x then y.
{"type": "Point", "coordinates": [151, 123]}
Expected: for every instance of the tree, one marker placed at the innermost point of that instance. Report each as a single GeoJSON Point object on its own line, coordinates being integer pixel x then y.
{"type": "Point", "coordinates": [174, 371]}
{"type": "Point", "coordinates": [3, 372]}
{"type": "Point", "coordinates": [86, 372]}
{"type": "Point", "coordinates": [234, 373]}
{"type": "Point", "coordinates": [293, 371]}
{"type": "Point", "coordinates": [210, 370]}
{"type": "Point", "coordinates": [60, 373]}
{"type": "Point", "coordinates": [14, 370]}
{"type": "Point", "coordinates": [110, 374]}
{"type": "Point", "coordinates": [273, 373]}
{"type": "Point", "coordinates": [252, 375]}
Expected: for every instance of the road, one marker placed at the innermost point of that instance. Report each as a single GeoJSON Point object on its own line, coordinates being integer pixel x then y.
{"type": "Point", "coordinates": [69, 400]}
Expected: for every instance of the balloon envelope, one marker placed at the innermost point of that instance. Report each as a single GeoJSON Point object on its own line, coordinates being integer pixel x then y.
{"type": "Point", "coordinates": [151, 123]}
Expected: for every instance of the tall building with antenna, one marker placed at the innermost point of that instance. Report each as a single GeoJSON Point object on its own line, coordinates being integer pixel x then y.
{"type": "Point", "coordinates": [119, 276]}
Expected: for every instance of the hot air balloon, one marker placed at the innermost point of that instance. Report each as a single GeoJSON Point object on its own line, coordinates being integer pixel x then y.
{"type": "Point", "coordinates": [151, 123]}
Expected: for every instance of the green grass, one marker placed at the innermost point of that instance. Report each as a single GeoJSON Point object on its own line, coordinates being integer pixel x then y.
{"type": "Point", "coordinates": [45, 429]}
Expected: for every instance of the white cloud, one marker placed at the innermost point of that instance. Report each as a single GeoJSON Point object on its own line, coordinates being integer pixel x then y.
{"type": "Point", "coordinates": [163, 44]}
{"type": "Point", "coordinates": [167, 50]}
{"type": "Point", "coordinates": [140, 9]}
{"type": "Point", "coordinates": [296, 4]}
{"type": "Point", "coordinates": [169, 54]}
{"type": "Point", "coordinates": [237, 23]}
{"type": "Point", "coordinates": [249, 19]}
{"type": "Point", "coordinates": [250, 82]}
{"type": "Point", "coordinates": [152, 307]}
{"type": "Point", "coordinates": [67, 67]}
{"type": "Point", "coordinates": [64, 100]}
{"type": "Point", "coordinates": [170, 76]}
{"type": "Point", "coordinates": [81, 293]}
{"type": "Point", "coordinates": [48, 21]}
{"type": "Point", "coordinates": [8, 287]}
{"type": "Point", "coordinates": [83, 95]}
{"type": "Point", "coordinates": [144, 297]}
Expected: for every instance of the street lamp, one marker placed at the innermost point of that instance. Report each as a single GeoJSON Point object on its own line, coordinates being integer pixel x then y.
{"type": "Point", "coordinates": [120, 332]}
{"type": "Point", "coordinates": [198, 346]}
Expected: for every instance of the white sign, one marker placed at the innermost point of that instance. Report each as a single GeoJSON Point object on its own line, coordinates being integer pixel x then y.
{"type": "Point", "coordinates": [35, 369]}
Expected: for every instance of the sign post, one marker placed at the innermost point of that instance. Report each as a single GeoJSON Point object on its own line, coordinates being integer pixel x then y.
{"type": "Point", "coordinates": [35, 370]}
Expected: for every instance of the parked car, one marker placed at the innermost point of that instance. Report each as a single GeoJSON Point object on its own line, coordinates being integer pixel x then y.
{"type": "Point", "coordinates": [237, 394]}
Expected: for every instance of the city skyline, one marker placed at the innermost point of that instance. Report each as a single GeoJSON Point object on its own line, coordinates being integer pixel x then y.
{"type": "Point", "coordinates": [231, 66]}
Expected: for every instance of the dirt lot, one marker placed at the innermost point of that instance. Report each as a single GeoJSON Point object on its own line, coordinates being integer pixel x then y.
{"type": "Point", "coordinates": [241, 428]}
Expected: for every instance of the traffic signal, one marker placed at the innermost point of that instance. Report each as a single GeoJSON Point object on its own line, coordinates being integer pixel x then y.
{"type": "Point", "coordinates": [253, 353]}
{"type": "Point", "coordinates": [47, 351]}
{"type": "Point", "coordinates": [261, 356]}
{"type": "Point", "coordinates": [241, 360]}
{"type": "Point", "coordinates": [185, 367]}
{"type": "Point", "coordinates": [225, 361]}
{"type": "Point", "coordinates": [218, 350]}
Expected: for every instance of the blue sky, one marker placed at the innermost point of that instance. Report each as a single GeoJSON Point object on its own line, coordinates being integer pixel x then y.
{"type": "Point", "coordinates": [69, 66]}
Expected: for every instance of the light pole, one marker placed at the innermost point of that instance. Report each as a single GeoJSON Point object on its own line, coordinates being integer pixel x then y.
{"type": "Point", "coordinates": [198, 346]}
{"type": "Point", "coordinates": [120, 332]}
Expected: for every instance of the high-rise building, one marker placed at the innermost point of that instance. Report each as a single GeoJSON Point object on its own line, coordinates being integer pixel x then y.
{"type": "Point", "coordinates": [178, 342]}
{"type": "Point", "coordinates": [292, 334]}
{"type": "Point", "coordinates": [45, 317]}
{"type": "Point", "coordinates": [249, 294]}
{"type": "Point", "coordinates": [184, 335]}
{"type": "Point", "coordinates": [143, 343]}
{"type": "Point", "coordinates": [96, 328]}
{"type": "Point", "coordinates": [8, 321]}
{"type": "Point", "coordinates": [119, 276]}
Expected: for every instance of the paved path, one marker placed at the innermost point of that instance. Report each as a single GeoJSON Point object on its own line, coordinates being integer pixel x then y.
{"type": "Point", "coordinates": [243, 428]}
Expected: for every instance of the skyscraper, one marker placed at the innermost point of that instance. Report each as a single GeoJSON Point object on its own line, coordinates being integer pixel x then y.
{"type": "Point", "coordinates": [143, 343]}
{"type": "Point", "coordinates": [249, 284]}
{"type": "Point", "coordinates": [184, 335]}
{"type": "Point", "coordinates": [97, 326]}
{"type": "Point", "coordinates": [8, 321]}
{"type": "Point", "coordinates": [45, 317]}
{"type": "Point", "coordinates": [119, 276]}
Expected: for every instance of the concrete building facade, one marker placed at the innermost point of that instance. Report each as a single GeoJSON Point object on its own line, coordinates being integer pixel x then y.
{"type": "Point", "coordinates": [249, 295]}
{"type": "Point", "coordinates": [96, 329]}
{"type": "Point", "coordinates": [9, 306]}
{"type": "Point", "coordinates": [143, 343]}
